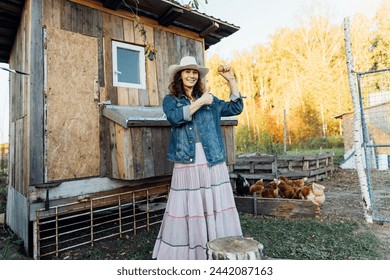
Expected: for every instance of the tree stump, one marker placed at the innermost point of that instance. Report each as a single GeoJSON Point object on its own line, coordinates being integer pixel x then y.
{"type": "Point", "coordinates": [234, 248]}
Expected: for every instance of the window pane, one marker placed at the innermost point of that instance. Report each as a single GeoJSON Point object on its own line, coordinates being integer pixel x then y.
{"type": "Point", "coordinates": [128, 66]}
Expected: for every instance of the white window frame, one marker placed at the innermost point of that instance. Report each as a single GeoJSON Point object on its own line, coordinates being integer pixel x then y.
{"type": "Point", "coordinates": [142, 68]}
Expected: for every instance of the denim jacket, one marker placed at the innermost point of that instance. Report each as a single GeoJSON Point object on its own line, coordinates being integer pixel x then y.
{"type": "Point", "coordinates": [208, 121]}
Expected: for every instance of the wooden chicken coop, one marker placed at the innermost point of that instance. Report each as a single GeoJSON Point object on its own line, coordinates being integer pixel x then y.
{"type": "Point", "coordinates": [88, 138]}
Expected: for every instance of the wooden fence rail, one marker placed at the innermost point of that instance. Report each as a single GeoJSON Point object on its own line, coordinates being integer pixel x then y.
{"type": "Point", "coordinates": [268, 167]}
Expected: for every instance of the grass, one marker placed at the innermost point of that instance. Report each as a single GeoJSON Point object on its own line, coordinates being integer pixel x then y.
{"type": "Point", "coordinates": [311, 239]}
{"type": "Point", "coordinates": [338, 153]}
{"type": "Point", "coordinates": [291, 239]}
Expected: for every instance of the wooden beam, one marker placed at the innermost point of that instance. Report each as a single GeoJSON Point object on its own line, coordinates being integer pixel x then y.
{"type": "Point", "coordinates": [112, 4]}
{"type": "Point", "coordinates": [37, 104]}
{"type": "Point", "coordinates": [170, 16]}
{"type": "Point", "coordinates": [211, 28]}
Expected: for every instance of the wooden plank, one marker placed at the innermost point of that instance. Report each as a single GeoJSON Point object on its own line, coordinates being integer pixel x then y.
{"type": "Point", "coordinates": [128, 30]}
{"type": "Point", "coordinates": [151, 70]}
{"type": "Point", "coordinates": [158, 152]}
{"type": "Point", "coordinates": [105, 151]}
{"type": "Point", "coordinates": [148, 152]}
{"type": "Point", "coordinates": [116, 26]}
{"type": "Point", "coordinates": [66, 196]}
{"type": "Point", "coordinates": [138, 164]}
{"type": "Point", "coordinates": [143, 20]}
{"type": "Point", "coordinates": [123, 96]}
{"type": "Point", "coordinates": [278, 207]}
{"type": "Point", "coordinates": [133, 95]}
{"type": "Point", "coordinates": [161, 76]}
{"type": "Point", "coordinates": [36, 100]}
{"type": "Point", "coordinates": [111, 91]}
{"type": "Point", "coordinates": [66, 15]}
{"type": "Point", "coordinates": [113, 151]}
{"type": "Point", "coordinates": [166, 137]}
{"type": "Point", "coordinates": [125, 149]}
{"type": "Point", "coordinates": [99, 201]}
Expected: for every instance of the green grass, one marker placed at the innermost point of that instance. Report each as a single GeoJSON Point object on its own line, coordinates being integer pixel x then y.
{"type": "Point", "coordinates": [338, 153]}
{"type": "Point", "coordinates": [311, 239]}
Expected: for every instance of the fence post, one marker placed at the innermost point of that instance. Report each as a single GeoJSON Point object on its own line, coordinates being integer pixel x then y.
{"type": "Point", "coordinates": [357, 125]}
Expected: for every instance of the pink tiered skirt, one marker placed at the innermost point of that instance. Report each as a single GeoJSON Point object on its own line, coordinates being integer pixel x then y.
{"type": "Point", "coordinates": [200, 208]}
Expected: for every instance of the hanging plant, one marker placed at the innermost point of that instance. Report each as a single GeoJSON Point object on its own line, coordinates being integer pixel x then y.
{"type": "Point", "coordinates": [150, 50]}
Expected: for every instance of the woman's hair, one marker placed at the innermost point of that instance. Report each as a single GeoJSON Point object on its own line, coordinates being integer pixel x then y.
{"type": "Point", "coordinates": [176, 87]}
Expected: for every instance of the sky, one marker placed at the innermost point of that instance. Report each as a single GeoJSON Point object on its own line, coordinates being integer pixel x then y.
{"type": "Point", "coordinates": [257, 19]}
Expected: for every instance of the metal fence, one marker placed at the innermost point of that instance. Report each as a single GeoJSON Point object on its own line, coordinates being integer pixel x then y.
{"type": "Point", "coordinates": [374, 91]}
{"type": "Point", "coordinates": [85, 222]}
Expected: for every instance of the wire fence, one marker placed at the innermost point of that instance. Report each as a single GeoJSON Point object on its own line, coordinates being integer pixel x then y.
{"type": "Point", "coordinates": [374, 90]}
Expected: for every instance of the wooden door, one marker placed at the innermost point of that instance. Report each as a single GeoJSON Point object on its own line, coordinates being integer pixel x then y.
{"type": "Point", "coordinates": [72, 115]}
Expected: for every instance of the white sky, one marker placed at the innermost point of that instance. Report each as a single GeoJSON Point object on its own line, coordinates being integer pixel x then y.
{"type": "Point", "coordinates": [257, 19]}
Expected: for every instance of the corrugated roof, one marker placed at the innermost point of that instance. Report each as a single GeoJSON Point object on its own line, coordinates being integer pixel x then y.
{"type": "Point", "coordinates": [170, 13]}
{"type": "Point", "coordinates": [165, 12]}
{"type": "Point", "coordinates": [10, 13]}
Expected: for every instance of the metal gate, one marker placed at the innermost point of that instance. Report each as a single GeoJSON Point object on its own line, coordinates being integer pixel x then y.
{"type": "Point", "coordinates": [374, 93]}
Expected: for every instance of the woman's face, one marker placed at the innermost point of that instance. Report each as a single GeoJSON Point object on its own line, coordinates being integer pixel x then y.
{"type": "Point", "coordinates": [189, 77]}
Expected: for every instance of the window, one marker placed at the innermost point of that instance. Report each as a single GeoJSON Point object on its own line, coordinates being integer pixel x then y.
{"type": "Point", "coordinates": [128, 63]}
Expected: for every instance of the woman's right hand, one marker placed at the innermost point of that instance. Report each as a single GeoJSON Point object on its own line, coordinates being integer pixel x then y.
{"type": "Point", "coordinates": [206, 98]}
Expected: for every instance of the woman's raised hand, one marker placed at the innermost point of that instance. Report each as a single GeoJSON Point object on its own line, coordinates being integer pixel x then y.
{"type": "Point", "coordinates": [206, 98]}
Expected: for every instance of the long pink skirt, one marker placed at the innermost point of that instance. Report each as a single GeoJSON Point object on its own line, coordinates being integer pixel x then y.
{"type": "Point", "coordinates": [200, 208]}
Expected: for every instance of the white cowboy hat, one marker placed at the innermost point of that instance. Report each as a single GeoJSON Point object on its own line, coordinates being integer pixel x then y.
{"type": "Point", "coordinates": [187, 62]}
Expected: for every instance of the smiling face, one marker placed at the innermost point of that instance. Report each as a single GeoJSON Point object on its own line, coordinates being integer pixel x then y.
{"type": "Point", "coordinates": [189, 77]}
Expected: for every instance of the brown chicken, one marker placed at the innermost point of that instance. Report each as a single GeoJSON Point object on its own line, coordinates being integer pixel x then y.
{"type": "Point", "coordinates": [297, 182]}
{"type": "Point", "coordinates": [271, 189]}
{"type": "Point", "coordinates": [257, 187]}
{"type": "Point", "coordinates": [286, 190]}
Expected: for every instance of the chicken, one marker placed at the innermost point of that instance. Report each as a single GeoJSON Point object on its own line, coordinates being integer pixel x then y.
{"type": "Point", "coordinates": [296, 182]}
{"type": "Point", "coordinates": [257, 187]}
{"type": "Point", "coordinates": [271, 189]}
{"type": "Point", "coordinates": [286, 190]}
{"type": "Point", "coordinates": [313, 192]}
{"type": "Point", "coordinates": [242, 185]}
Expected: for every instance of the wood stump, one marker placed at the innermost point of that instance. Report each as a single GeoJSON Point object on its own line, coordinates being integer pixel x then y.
{"type": "Point", "coordinates": [234, 248]}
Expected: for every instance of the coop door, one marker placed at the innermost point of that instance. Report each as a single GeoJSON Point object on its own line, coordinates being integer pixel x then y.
{"type": "Point", "coordinates": [72, 119]}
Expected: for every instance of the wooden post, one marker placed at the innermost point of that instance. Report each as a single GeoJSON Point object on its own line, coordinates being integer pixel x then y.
{"type": "Point", "coordinates": [284, 133]}
{"type": "Point", "coordinates": [234, 248]}
{"type": "Point", "coordinates": [357, 125]}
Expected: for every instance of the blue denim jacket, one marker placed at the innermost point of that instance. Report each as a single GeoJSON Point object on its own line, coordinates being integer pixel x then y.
{"type": "Point", "coordinates": [208, 121]}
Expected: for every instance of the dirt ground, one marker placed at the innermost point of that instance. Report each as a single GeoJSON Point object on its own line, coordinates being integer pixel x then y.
{"type": "Point", "coordinates": [343, 201]}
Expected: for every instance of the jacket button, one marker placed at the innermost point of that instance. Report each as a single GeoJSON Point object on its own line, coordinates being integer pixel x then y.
{"type": "Point", "coordinates": [191, 142]}
{"type": "Point", "coordinates": [191, 159]}
{"type": "Point", "coordinates": [190, 128]}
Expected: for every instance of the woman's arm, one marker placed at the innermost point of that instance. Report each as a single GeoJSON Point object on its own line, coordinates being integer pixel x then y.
{"type": "Point", "coordinates": [227, 73]}
{"type": "Point", "coordinates": [205, 99]}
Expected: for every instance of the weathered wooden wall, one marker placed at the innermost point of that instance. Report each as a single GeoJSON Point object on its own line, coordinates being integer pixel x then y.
{"type": "Point", "coordinates": [19, 108]}
{"type": "Point", "coordinates": [26, 120]}
{"type": "Point", "coordinates": [138, 152]}
{"type": "Point", "coordinates": [92, 19]}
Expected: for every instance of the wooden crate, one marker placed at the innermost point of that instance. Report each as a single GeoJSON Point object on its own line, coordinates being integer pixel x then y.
{"type": "Point", "coordinates": [269, 167]}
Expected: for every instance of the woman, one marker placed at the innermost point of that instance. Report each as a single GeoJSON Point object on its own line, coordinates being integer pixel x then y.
{"type": "Point", "coordinates": [200, 206]}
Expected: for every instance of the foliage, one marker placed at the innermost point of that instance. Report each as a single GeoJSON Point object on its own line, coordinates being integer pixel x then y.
{"type": "Point", "coordinates": [9, 242]}
{"type": "Point", "coordinates": [301, 72]}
